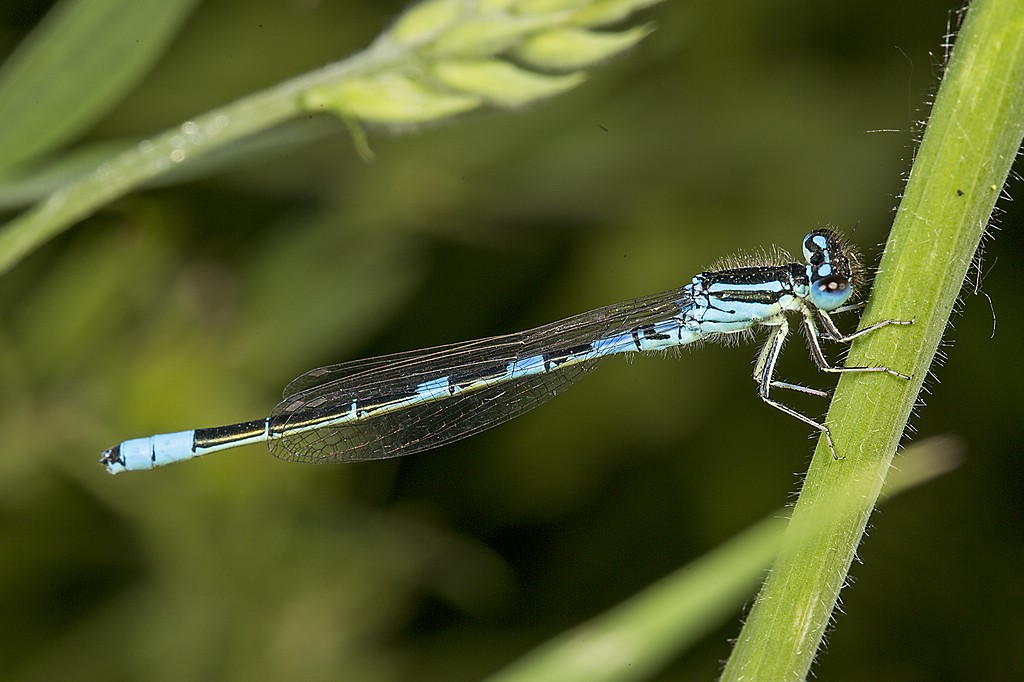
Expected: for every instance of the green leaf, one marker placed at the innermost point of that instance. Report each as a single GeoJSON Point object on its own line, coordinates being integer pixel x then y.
{"type": "Point", "coordinates": [604, 12]}
{"type": "Point", "coordinates": [501, 82]}
{"type": "Point", "coordinates": [484, 36]}
{"type": "Point", "coordinates": [636, 638]}
{"type": "Point", "coordinates": [388, 98]}
{"type": "Point", "coordinates": [574, 48]}
{"type": "Point", "coordinates": [75, 65]}
{"type": "Point", "coordinates": [423, 21]}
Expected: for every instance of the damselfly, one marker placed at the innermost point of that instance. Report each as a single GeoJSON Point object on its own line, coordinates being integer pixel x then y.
{"type": "Point", "coordinates": [399, 404]}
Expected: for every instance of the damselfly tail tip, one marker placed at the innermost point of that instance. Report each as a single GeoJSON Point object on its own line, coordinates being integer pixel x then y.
{"type": "Point", "coordinates": [112, 460]}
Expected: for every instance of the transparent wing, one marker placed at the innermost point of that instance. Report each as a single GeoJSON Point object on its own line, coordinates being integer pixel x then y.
{"type": "Point", "coordinates": [366, 366]}
{"type": "Point", "coordinates": [426, 425]}
{"type": "Point", "coordinates": [484, 393]}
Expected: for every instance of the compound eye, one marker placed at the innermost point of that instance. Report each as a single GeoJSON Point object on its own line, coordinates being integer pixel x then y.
{"type": "Point", "coordinates": [828, 293]}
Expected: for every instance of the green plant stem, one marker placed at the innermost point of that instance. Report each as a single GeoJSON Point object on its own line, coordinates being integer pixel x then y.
{"type": "Point", "coordinates": [969, 145]}
{"type": "Point", "coordinates": [440, 58]}
{"type": "Point", "coordinates": [200, 136]}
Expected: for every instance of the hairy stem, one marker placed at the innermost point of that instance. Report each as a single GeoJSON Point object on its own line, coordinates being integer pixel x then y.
{"type": "Point", "coordinates": [965, 157]}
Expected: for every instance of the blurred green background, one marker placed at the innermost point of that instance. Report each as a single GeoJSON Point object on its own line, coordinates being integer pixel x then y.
{"type": "Point", "coordinates": [192, 304]}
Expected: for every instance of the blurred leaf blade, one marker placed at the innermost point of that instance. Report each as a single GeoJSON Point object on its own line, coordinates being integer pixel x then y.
{"type": "Point", "coordinates": [638, 637]}
{"type": "Point", "coordinates": [396, 65]}
{"type": "Point", "coordinates": [98, 49]}
{"type": "Point", "coordinates": [17, 190]}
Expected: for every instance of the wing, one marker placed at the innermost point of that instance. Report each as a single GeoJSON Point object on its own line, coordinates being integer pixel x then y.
{"type": "Point", "coordinates": [323, 375]}
{"type": "Point", "coordinates": [408, 402]}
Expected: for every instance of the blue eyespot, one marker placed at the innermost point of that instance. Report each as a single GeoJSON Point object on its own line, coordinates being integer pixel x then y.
{"type": "Point", "coordinates": [831, 268]}
{"type": "Point", "coordinates": [829, 293]}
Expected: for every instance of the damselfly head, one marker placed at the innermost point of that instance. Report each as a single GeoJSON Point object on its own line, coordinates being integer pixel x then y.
{"type": "Point", "coordinates": [833, 269]}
